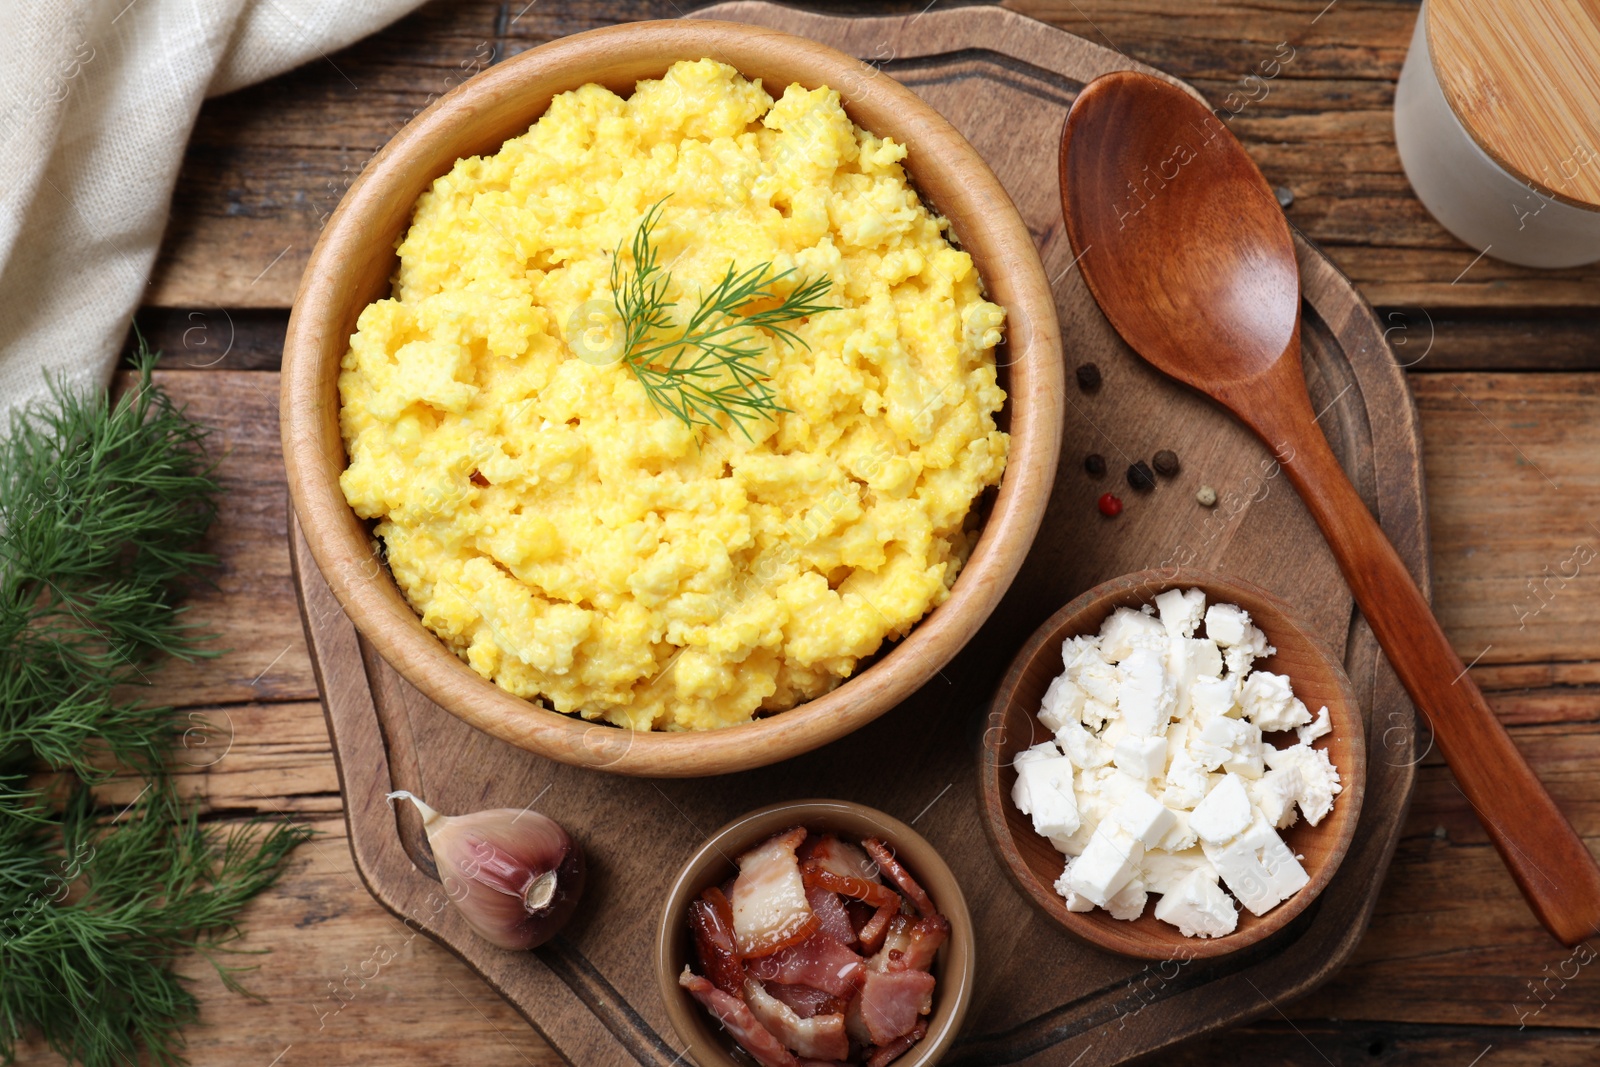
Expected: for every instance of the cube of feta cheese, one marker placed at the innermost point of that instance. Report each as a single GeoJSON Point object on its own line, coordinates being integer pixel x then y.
{"type": "Point", "coordinates": [1128, 902]}
{"type": "Point", "coordinates": [1197, 906]}
{"type": "Point", "coordinates": [1231, 743]}
{"type": "Point", "coordinates": [1318, 779]}
{"type": "Point", "coordinates": [1226, 624]}
{"type": "Point", "coordinates": [1187, 782]}
{"type": "Point", "coordinates": [1078, 652]}
{"type": "Point", "coordinates": [1045, 785]}
{"type": "Point", "coordinates": [1099, 681]}
{"type": "Point", "coordinates": [1224, 813]}
{"type": "Point", "coordinates": [1181, 610]}
{"type": "Point", "coordinates": [1145, 817]}
{"type": "Point", "coordinates": [1181, 836]}
{"type": "Point", "coordinates": [1269, 702]}
{"type": "Point", "coordinates": [1128, 629]}
{"type": "Point", "coordinates": [1083, 748]}
{"type": "Point", "coordinates": [1188, 660]}
{"type": "Point", "coordinates": [1274, 794]}
{"type": "Point", "coordinates": [1141, 757]}
{"type": "Point", "coordinates": [1110, 860]}
{"type": "Point", "coordinates": [1313, 730]}
{"type": "Point", "coordinates": [1244, 867]}
{"type": "Point", "coordinates": [1212, 698]}
{"type": "Point", "coordinates": [1064, 887]}
{"type": "Point", "coordinates": [1062, 703]}
{"type": "Point", "coordinates": [1144, 693]}
{"type": "Point", "coordinates": [1162, 871]}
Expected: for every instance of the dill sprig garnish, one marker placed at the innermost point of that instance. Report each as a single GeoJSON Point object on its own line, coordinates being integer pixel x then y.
{"type": "Point", "coordinates": [706, 368]}
{"type": "Point", "coordinates": [102, 506]}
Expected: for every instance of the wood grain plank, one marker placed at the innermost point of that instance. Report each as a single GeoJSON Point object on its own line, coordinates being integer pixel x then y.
{"type": "Point", "coordinates": [248, 601]}
{"type": "Point", "coordinates": [1513, 470]}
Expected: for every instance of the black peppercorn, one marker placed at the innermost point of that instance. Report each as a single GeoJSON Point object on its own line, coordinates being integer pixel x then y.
{"type": "Point", "coordinates": [1088, 377]}
{"type": "Point", "coordinates": [1166, 462]}
{"type": "Point", "coordinates": [1141, 477]}
{"type": "Point", "coordinates": [1095, 464]}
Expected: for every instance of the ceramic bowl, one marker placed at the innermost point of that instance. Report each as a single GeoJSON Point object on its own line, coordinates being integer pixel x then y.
{"type": "Point", "coordinates": [354, 261]}
{"type": "Point", "coordinates": [1318, 679]}
{"type": "Point", "coordinates": [713, 863]}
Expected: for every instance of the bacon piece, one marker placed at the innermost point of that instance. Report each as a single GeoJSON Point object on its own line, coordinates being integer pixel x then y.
{"type": "Point", "coordinates": [820, 1037]}
{"type": "Point", "coordinates": [735, 1017]}
{"type": "Point", "coordinates": [896, 943]}
{"type": "Point", "coordinates": [872, 935]}
{"type": "Point", "coordinates": [840, 857]}
{"type": "Point", "coordinates": [711, 920]}
{"type": "Point", "coordinates": [860, 913]}
{"type": "Point", "coordinates": [884, 857]}
{"type": "Point", "coordinates": [770, 911]}
{"type": "Point", "coordinates": [819, 962]}
{"type": "Point", "coordinates": [893, 1000]}
{"type": "Point", "coordinates": [923, 938]}
{"type": "Point", "coordinates": [832, 919]}
{"type": "Point", "coordinates": [806, 1001]}
{"type": "Point", "coordinates": [887, 1054]}
{"type": "Point", "coordinates": [874, 893]}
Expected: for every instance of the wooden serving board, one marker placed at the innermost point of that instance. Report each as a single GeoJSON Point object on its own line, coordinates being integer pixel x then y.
{"type": "Point", "coordinates": [1041, 997]}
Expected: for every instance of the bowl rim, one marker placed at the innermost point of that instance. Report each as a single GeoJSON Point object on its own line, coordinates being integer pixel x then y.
{"type": "Point", "coordinates": [942, 164]}
{"type": "Point", "coordinates": [1091, 927]}
{"type": "Point", "coordinates": [689, 1020]}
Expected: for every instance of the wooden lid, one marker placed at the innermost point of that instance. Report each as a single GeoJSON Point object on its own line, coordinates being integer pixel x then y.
{"type": "Point", "coordinates": [1520, 75]}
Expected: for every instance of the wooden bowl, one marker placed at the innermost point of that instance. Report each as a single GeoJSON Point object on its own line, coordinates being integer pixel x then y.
{"type": "Point", "coordinates": [712, 864]}
{"type": "Point", "coordinates": [1034, 864]}
{"type": "Point", "coordinates": [354, 260]}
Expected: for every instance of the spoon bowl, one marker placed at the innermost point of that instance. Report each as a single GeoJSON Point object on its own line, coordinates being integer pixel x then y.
{"type": "Point", "coordinates": [1203, 282]}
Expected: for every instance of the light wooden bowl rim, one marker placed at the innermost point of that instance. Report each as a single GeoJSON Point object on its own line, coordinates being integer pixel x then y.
{"type": "Point", "coordinates": [351, 265]}
{"type": "Point", "coordinates": [1147, 937]}
{"type": "Point", "coordinates": [955, 966]}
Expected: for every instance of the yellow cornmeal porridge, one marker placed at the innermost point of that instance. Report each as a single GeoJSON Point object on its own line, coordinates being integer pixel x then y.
{"type": "Point", "coordinates": [575, 544]}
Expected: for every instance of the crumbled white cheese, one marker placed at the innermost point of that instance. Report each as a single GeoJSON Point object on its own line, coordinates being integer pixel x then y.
{"type": "Point", "coordinates": [1159, 781]}
{"type": "Point", "coordinates": [1141, 757]}
{"type": "Point", "coordinates": [1145, 817]}
{"type": "Point", "coordinates": [1044, 791]}
{"type": "Point", "coordinates": [1197, 906]}
{"type": "Point", "coordinates": [1107, 864]}
{"type": "Point", "coordinates": [1224, 813]}
{"type": "Point", "coordinates": [1181, 611]}
{"type": "Point", "coordinates": [1145, 694]}
{"type": "Point", "coordinates": [1127, 630]}
{"type": "Point", "coordinates": [1313, 730]}
{"type": "Point", "coordinates": [1316, 780]}
{"type": "Point", "coordinates": [1270, 703]}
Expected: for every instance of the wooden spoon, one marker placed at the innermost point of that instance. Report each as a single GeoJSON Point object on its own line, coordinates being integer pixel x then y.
{"type": "Point", "coordinates": [1185, 247]}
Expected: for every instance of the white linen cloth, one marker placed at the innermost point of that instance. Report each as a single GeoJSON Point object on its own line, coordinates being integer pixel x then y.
{"type": "Point", "coordinates": [97, 101]}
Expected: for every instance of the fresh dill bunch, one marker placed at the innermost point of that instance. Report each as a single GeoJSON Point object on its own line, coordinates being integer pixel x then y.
{"type": "Point", "coordinates": [101, 507]}
{"type": "Point", "coordinates": [705, 369]}
{"type": "Point", "coordinates": [93, 969]}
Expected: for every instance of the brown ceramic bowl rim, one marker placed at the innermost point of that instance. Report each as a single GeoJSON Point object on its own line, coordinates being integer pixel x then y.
{"type": "Point", "coordinates": [342, 277]}
{"type": "Point", "coordinates": [954, 968]}
{"type": "Point", "coordinates": [1088, 926]}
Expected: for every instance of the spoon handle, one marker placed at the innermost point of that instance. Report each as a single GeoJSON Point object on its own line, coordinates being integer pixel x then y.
{"type": "Point", "coordinates": [1550, 863]}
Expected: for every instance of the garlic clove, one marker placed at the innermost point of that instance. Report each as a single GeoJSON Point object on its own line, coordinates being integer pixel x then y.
{"type": "Point", "coordinates": [514, 875]}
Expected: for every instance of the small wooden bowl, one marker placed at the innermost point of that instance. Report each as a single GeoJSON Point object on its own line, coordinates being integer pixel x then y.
{"type": "Point", "coordinates": [1034, 864]}
{"type": "Point", "coordinates": [712, 864]}
{"type": "Point", "coordinates": [354, 261]}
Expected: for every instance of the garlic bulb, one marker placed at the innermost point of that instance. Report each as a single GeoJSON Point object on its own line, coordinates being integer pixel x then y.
{"type": "Point", "coordinates": [515, 876]}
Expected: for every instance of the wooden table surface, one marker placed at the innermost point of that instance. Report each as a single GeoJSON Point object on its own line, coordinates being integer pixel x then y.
{"type": "Point", "coordinates": [1504, 364]}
